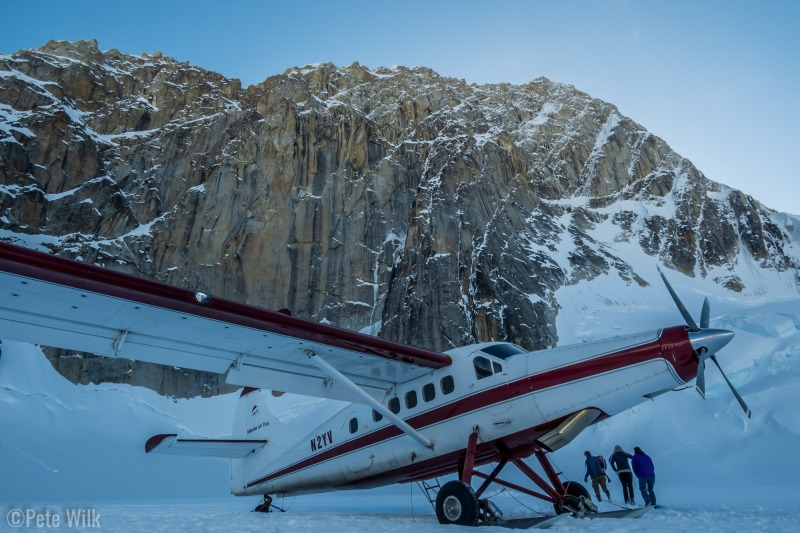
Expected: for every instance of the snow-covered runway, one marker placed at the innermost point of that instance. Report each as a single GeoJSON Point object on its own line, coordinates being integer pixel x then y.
{"type": "Point", "coordinates": [392, 514]}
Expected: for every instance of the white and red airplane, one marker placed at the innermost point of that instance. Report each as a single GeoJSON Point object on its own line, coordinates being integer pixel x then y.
{"type": "Point", "coordinates": [413, 414]}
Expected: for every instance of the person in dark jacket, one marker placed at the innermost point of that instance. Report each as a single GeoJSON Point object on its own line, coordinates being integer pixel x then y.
{"type": "Point", "coordinates": [620, 465]}
{"type": "Point", "coordinates": [596, 471]}
{"type": "Point", "coordinates": [646, 472]}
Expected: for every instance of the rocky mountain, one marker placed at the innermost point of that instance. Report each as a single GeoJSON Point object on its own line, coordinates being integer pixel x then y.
{"type": "Point", "coordinates": [391, 201]}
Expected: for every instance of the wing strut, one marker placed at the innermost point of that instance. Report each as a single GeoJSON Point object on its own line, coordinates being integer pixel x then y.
{"type": "Point", "coordinates": [323, 365]}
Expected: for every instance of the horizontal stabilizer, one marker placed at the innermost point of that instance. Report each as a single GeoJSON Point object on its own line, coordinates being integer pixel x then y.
{"type": "Point", "coordinates": [172, 445]}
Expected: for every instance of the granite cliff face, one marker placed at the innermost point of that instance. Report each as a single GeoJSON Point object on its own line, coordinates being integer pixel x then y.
{"type": "Point", "coordinates": [391, 201]}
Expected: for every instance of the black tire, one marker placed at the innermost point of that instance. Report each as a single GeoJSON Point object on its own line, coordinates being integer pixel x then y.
{"type": "Point", "coordinates": [456, 503]}
{"type": "Point", "coordinates": [574, 491]}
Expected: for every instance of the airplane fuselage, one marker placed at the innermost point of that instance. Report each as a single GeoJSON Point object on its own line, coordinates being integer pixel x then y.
{"type": "Point", "coordinates": [417, 414]}
{"type": "Point", "coordinates": [511, 401]}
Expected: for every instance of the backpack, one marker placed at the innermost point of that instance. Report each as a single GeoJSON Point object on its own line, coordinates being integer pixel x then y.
{"type": "Point", "coordinates": [602, 462]}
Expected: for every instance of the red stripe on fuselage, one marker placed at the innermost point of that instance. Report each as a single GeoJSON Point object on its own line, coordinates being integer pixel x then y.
{"type": "Point", "coordinates": [672, 345]}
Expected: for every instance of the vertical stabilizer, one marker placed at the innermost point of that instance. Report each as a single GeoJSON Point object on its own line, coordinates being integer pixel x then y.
{"type": "Point", "coordinates": [254, 419]}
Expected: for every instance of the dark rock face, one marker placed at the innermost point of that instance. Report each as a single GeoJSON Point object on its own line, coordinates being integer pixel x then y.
{"type": "Point", "coordinates": [395, 202]}
{"type": "Point", "coordinates": [166, 380]}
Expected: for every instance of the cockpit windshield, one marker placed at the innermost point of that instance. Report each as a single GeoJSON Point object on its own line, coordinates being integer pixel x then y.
{"type": "Point", "coordinates": [502, 351]}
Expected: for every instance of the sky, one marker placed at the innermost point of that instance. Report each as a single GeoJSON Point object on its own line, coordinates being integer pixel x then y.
{"type": "Point", "coordinates": [717, 79]}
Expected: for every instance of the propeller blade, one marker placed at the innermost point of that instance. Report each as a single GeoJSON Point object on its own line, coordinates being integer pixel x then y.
{"type": "Point", "coordinates": [733, 389]}
{"type": "Point", "coordinates": [705, 315]}
{"type": "Point", "coordinates": [686, 316]}
{"type": "Point", "coordinates": [701, 374]}
{"type": "Point", "coordinates": [706, 342]}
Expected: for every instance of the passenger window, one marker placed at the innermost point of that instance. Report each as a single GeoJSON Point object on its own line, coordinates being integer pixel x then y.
{"type": "Point", "coordinates": [483, 367]}
{"type": "Point", "coordinates": [498, 368]}
{"type": "Point", "coordinates": [411, 399]}
{"type": "Point", "coordinates": [376, 416]}
{"type": "Point", "coordinates": [428, 392]}
{"type": "Point", "coordinates": [353, 425]}
{"type": "Point", "coordinates": [394, 405]}
{"type": "Point", "coordinates": [447, 384]}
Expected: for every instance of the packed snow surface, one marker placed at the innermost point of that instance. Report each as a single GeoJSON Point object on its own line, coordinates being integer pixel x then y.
{"type": "Point", "coordinates": [65, 447]}
{"type": "Point", "coordinates": [344, 513]}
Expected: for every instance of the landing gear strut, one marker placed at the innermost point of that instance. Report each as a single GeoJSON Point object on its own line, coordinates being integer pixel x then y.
{"type": "Point", "coordinates": [457, 502]}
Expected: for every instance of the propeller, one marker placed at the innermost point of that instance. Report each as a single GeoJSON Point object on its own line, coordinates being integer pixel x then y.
{"type": "Point", "coordinates": [706, 342]}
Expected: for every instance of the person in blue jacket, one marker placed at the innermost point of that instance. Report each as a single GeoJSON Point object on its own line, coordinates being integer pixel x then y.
{"type": "Point", "coordinates": [595, 470]}
{"type": "Point", "coordinates": [620, 465]}
{"type": "Point", "coordinates": [646, 473]}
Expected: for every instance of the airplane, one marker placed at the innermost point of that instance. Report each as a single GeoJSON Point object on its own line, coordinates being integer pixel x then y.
{"type": "Point", "coordinates": [406, 414]}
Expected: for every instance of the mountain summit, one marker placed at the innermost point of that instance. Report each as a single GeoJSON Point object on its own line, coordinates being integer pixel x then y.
{"type": "Point", "coordinates": [392, 201]}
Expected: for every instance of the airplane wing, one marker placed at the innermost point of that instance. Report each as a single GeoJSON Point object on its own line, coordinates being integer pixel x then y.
{"type": "Point", "coordinates": [53, 301]}
{"type": "Point", "coordinates": [171, 444]}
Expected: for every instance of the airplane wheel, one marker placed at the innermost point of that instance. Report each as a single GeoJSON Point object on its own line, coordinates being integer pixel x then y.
{"type": "Point", "coordinates": [574, 492]}
{"type": "Point", "coordinates": [456, 503]}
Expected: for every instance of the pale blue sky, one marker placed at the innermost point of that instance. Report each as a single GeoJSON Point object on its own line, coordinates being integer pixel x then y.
{"type": "Point", "coordinates": [718, 80]}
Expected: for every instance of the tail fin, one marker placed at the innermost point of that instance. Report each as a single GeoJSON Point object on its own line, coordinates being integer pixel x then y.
{"type": "Point", "coordinates": [254, 419]}
{"type": "Point", "coordinates": [281, 418]}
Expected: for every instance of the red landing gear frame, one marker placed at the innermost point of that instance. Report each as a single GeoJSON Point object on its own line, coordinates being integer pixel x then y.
{"type": "Point", "coordinates": [458, 503]}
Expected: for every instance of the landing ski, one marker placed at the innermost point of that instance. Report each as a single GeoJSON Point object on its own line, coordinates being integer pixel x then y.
{"type": "Point", "coordinates": [622, 513]}
{"type": "Point", "coordinates": [538, 522]}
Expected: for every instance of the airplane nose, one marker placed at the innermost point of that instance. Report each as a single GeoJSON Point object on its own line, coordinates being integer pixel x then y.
{"type": "Point", "coordinates": [710, 339]}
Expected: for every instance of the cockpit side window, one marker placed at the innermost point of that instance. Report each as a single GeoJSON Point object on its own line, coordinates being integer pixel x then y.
{"type": "Point", "coordinates": [483, 367]}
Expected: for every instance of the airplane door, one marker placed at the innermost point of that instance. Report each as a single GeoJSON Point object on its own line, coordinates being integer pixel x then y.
{"type": "Point", "coordinates": [489, 377]}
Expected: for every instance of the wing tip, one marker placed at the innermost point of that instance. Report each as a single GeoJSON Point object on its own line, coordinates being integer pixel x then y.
{"type": "Point", "coordinates": [156, 440]}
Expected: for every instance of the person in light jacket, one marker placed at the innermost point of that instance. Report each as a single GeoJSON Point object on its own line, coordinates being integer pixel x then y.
{"type": "Point", "coordinates": [620, 465]}
{"type": "Point", "coordinates": [646, 473]}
